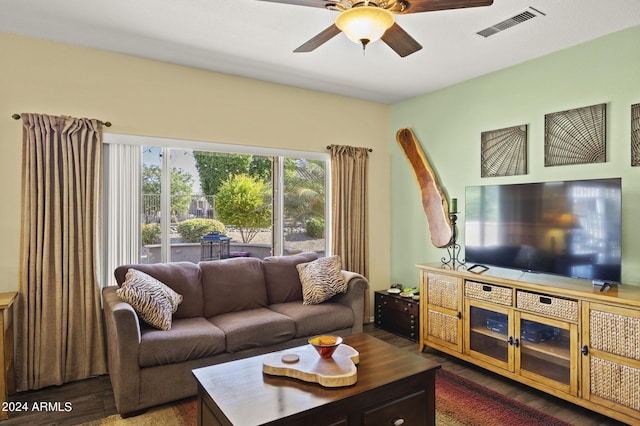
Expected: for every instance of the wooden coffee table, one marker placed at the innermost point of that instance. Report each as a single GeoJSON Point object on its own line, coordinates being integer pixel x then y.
{"type": "Point", "coordinates": [394, 387]}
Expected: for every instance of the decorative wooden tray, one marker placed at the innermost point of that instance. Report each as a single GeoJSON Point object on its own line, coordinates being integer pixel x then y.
{"type": "Point", "coordinates": [338, 371]}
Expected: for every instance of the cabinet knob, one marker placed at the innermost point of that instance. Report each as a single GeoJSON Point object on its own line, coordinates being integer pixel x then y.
{"type": "Point", "coordinates": [585, 350]}
{"type": "Point", "coordinates": [513, 342]}
{"type": "Point", "coordinates": [398, 421]}
{"type": "Point", "coordinates": [459, 315]}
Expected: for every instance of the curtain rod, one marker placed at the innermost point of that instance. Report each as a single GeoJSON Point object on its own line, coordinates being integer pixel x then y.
{"type": "Point", "coordinates": [18, 117]}
{"type": "Point", "coordinates": [368, 149]}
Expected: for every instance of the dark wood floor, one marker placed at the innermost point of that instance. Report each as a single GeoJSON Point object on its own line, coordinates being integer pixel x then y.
{"type": "Point", "coordinates": [92, 399]}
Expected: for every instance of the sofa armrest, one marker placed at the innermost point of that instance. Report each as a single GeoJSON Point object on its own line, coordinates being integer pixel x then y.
{"type": "Point", "coordinates": [354, 297]}
{"type": "Point", "coordinates": [123, 341]}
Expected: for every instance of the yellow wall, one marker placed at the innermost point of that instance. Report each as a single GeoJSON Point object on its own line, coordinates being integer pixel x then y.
{"type": "Point", "coordinates": [144, 97]}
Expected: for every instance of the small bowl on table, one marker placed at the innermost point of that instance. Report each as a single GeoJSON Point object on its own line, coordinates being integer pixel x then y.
{"type": "Point", "coordinates": [325, 345]}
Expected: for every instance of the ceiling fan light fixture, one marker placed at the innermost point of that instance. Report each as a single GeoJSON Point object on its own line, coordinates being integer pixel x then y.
{"type": "Point", "coordinates": [364, 24]}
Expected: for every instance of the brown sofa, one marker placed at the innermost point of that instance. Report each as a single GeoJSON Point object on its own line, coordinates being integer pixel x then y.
{"type": "Point", "coordinates": [231, 309]}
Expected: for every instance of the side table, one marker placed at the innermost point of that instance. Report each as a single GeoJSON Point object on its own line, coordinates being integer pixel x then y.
{"type": "Point", "coordinates": [397, 314]}
{"type": "Point", "coordinates": [7, 379]}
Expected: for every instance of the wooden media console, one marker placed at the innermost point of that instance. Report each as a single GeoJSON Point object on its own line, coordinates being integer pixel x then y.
{"type": "Point", "coordinates": [559, 335]}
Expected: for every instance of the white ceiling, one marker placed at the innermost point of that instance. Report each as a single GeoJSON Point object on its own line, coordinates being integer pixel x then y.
{"type": "Point", "coordinates": [255, 39]}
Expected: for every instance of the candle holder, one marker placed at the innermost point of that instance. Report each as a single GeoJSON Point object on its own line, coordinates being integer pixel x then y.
{"type": "Point", "coordinates": [453, 248]}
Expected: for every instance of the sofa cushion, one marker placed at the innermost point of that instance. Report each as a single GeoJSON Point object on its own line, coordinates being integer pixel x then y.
{"type": "Point", "coordinates": [281, 276]}
{"type": "Point", "coordinates": [182, 277]}
{"type": "Point", "coordinates": [230, 285]}
{"type": "Point", "coordinates": [189, 338]}
{"type": "Point", "coordinates": [321, 279]}
{"type": "Point", "coordinates": [254, 328]}
{"type": "Point", "coordinates": [316, 319]}
{"type": "Point", "coordinates": [154, 302]}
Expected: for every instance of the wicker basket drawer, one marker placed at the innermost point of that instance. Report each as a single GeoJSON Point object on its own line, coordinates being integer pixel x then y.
{"type": "Point", "coordinates": [442, 326]}
{"type": "Point", "coordinates": [615, 382]}
{"type": "Point", "coordinates": [615, 334]}
{"type": "Point", "coordinates": [566, 309]}
{"type": "Point", "coordinates": [488, 292]}
{"type": "Point", "coordinates": [442, 291]}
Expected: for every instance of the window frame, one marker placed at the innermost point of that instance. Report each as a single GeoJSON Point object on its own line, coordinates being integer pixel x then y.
{"type": "Point", "coordinates": [278, 155]}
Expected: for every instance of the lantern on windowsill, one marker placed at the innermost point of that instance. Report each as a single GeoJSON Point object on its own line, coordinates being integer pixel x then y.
{"type": "Point", "coordinates": [214, 246]}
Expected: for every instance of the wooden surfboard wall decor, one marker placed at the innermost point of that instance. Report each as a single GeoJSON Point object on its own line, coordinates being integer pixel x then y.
{"type": "Point", "coordinates": [434, 202]}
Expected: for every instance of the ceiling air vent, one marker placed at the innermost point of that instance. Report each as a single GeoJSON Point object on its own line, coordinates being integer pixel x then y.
{"type": "Point", "coordinates": [508, 23]}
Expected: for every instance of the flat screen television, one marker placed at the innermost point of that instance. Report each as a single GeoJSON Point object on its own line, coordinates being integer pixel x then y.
{"type": "Point", "coordinates": [569, 228]}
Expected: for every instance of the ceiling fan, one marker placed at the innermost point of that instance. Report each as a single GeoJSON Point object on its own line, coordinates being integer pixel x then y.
{"type": "Point", "coordinates": [365, 21]}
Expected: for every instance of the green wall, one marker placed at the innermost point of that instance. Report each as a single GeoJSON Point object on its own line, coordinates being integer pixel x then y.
{"type": "Point", "coordinates": [449, 122]}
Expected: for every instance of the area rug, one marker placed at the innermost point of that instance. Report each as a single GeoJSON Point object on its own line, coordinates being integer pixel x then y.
{"type": "Point", "coordinates": [462, 402]}
{"type": "Point", "coordinates": [182, 413]}
{"type": "Point", "coordinates": [458, 402]}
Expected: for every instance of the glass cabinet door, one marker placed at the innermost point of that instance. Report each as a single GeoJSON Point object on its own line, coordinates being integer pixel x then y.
{"type": "Point", "coordinates": [490, 336]}
{"type": "Point", "coordinates": [544, 352]}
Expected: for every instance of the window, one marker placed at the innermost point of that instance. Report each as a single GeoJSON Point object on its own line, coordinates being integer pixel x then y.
{"type": "Point", "coordinates": [266, 201]}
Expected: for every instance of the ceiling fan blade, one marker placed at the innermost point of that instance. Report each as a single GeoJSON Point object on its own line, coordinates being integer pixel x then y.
{"type": "Point", "coordinates": [400, 41]}
{"type": "Point", "coordinates": [416, 6]}
{"type": "Point", "coordinates": [311, 3]}
{"type": "Point", "coordinates": [319, 40]}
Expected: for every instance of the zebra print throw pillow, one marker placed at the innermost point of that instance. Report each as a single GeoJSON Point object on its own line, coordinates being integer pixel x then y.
{"type": "Point", "coordinates": [152, 300]}
{"type": "Point", "coordinates": [321, 279]}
